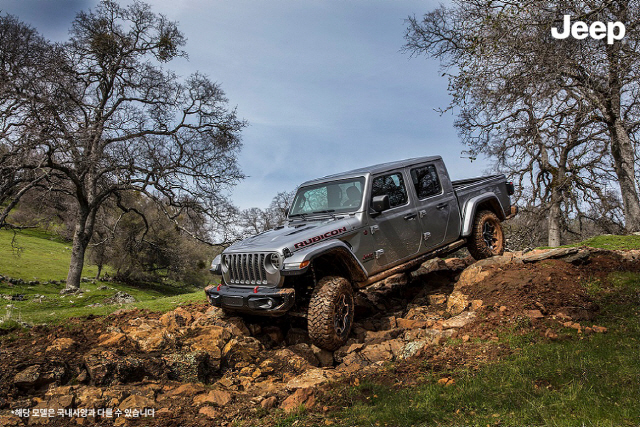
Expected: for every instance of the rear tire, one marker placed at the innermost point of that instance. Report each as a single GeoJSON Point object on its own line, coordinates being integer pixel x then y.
{"type": "Point", "coordinates": [487, 238]}
{"type": "Point", "coordinates": [331, 312]}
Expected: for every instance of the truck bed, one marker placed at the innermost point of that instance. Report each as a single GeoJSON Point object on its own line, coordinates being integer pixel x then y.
{"type": "Point", "coordinates": [466, 189]}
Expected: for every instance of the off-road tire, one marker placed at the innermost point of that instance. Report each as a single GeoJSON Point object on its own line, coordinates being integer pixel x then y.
{"type": "Point", "coordinates": [331, 312]}
{"type": "Point", "coordinates": [487, 238]}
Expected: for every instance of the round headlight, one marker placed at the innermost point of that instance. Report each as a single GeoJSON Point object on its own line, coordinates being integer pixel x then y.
{"type": "Point", "coordinates": [225, 263]}
{"type": "Point", "coordinates": [273, 262]}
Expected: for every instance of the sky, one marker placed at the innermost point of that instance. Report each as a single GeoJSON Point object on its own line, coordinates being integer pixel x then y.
{"type": "Point", "coordinates": [323, 84]}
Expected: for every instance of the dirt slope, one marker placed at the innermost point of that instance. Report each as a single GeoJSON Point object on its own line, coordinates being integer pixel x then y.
{"type": "Point", "coordinates": [197, 366]}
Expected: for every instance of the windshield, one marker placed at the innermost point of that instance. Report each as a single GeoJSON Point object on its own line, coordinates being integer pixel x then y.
{"type": "Point", "coordinates": [336, 196]}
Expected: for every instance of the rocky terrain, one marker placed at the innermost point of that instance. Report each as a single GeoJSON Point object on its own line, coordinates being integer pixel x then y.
{"type": "Point", "coordinates": [197, 365]}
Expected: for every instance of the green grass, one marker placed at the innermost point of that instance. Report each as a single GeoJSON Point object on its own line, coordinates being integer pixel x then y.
{"type": "Point", "coordinates": [608, 241]}
{"type": "Point", "coordinates": [34, 255]}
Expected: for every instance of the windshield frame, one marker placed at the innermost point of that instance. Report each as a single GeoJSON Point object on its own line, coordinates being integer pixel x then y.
{"type": "Point", "coordinates": [297, 211]}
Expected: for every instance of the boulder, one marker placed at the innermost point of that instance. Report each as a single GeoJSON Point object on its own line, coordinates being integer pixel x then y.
{"type": "Point", "coordinates": [534, 314]}
{"type": "Point", "coordinates": [195, 366]}
{"type": "Point", "coordinates": [377, 353]}
{"type": "Point", "coordinates": [471, 276]}
{"type": "Point", "coordinates": [457, 302]}
{"type": "Point", "coordinates": [149, 335]}
{"type": "Point", "coordinates": [302, 397]}
{"type": "Point", "coordinates": [269, 402]}
{"type": "Point", "coordinates": [135, 401]}
{"type": "Point", "coordinates": [111, 339]}
{"type": "Point", "coordinates": [309, 379]}
{"type": "Point", "coordinates": [291, 360]}
{"type": "Point", "coordinates": [185, 390]}
{"type": "Point", "coordinates": [304, 350]}
{"type": "Point", "coordinates": [61, 344]}
{"type": "Point", "coordinates": [120, 298]}
{"type": "Point", "coordinates": [214, 397]}
{"type": "Point", "coordinates": [176, 319]}
{"type": "Point", "coordinates": [209, 412]}
{"type": "Point", "coordinates": [437, 299]}
{"type": "Point", "coordinates": [460, 320]}
{"type": "Point", "coordinates": [211, 339]}
{"type": "Point", "coordinates": [241, 349]}
{"type": "Point", "coordinates": [550, 254]}
{"type": "Point", "coordinates": [89, 397]}
{"type": "Point", "coordinates": [28, 377]}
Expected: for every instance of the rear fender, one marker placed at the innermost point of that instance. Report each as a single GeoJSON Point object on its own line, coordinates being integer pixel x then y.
{"type": "Point", "coordinates": [471, 207]}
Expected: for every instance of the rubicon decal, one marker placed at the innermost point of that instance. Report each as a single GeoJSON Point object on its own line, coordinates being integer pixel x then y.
{"type": "Point", "coordinates": [313, 240]}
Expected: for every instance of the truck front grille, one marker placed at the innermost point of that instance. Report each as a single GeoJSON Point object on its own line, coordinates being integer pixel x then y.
{"type": "Point", "coordinates": [245, 269]}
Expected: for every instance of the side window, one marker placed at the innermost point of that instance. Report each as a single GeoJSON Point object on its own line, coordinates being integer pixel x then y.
{"type": "Point", "coordinates": [426, 182]}
{"type": "Point", "coordinates": [393, 186]}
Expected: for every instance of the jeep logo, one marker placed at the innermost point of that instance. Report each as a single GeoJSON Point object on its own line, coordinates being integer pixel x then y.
{"type": "Point", "coordinates": [598, 30]}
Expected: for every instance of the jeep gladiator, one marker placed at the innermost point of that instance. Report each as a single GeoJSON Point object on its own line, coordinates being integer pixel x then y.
{"type": "Point", "coordinates": [347, 231]}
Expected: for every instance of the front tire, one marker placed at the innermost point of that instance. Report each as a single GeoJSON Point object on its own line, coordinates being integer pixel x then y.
{"type": "Point", "coordinates": [487, 238]}
{"type": "Point", "coordinates": [331, 312]}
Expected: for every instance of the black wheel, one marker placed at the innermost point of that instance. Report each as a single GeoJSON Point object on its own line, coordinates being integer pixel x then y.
{"type": "Point", "coordinates": [486, 238]}
{"type": "Point", "coordinates": [330, 314]}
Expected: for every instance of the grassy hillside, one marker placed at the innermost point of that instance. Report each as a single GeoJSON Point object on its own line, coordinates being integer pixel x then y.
{"type": "Point", "coordinates": [577, 380]}
{"type": "Point", "coordinates": [36, 256]}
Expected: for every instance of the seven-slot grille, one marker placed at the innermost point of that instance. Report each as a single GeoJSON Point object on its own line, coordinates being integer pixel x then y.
{"type": "Point", "coordinates": [246, 269]}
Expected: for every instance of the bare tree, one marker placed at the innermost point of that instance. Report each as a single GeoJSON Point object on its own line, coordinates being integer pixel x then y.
{"type": "Point", "coordinates": [256, 220]}
{"type": "Point", "coordinates": [21, 55]}
{"type": "Point", "coordinates": [106, 118]}
{"type": "Point", "coordinates": [498, 54]}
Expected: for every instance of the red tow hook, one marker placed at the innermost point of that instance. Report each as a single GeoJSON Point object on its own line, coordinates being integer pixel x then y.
{"type": "Point", "coordinates": [219, 286]}
{"type": "Point", "coordinates": [255, 290]}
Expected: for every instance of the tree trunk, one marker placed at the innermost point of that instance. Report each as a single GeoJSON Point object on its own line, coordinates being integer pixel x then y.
{"type": "Point", "coordinates": [624, 165]}
{"type": "Point", "coordinates": [81, 238]}
{"type": "Point", "coordinates": [555, 215]}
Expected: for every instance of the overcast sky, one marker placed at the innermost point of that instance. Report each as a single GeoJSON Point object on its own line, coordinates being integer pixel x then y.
{"type": "Point", "coordinates": [322, 83]}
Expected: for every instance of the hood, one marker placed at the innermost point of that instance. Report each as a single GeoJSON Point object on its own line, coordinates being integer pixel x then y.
{"type": "Point", "coordinates": [296, 235]}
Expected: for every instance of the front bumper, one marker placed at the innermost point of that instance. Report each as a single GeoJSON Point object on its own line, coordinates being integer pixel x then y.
{"type": "Point", "coordinates": [260, 300]}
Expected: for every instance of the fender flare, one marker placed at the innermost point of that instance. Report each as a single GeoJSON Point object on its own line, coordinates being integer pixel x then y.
{"type": "Point", "coordinates": [471, 206]}
{"type": "Point", "coordinates": [338, 247]}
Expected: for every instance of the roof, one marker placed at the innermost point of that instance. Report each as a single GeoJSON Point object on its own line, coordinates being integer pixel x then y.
{"type": "Point", "coordinates": [375, 169]}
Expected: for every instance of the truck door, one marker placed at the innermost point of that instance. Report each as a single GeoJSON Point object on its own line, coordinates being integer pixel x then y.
{"type": "Point", "coordinates": [396, 231]}
{"type": "Point", "coordinates": [434, 204]}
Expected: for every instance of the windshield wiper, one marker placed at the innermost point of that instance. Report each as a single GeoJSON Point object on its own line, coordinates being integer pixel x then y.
{"type": "Point", "coordinates": [325, 211]}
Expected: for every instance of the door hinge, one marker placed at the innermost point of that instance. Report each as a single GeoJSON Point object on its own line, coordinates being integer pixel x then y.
{"type": "Point", "coordinates": [426, 235]}
{"type": "Point", "coordinates": [374, 228]}
{"type": "Point", "coordinates": [379, 253]}
{"type": "Point", "coordinates": [423, 213]}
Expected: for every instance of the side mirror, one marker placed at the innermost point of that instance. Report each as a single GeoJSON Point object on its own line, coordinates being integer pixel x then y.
{"type": "Point", "coordinates": [380, 203]}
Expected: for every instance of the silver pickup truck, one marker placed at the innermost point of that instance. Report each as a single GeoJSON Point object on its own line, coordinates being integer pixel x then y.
{"type": "Point", "coordinates": [347, 231]}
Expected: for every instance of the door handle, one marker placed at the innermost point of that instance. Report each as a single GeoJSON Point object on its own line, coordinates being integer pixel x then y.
{"type": "Point", "coordinates": [442, 206]}
{"type": "Point", "coordinates": [410, 217]}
